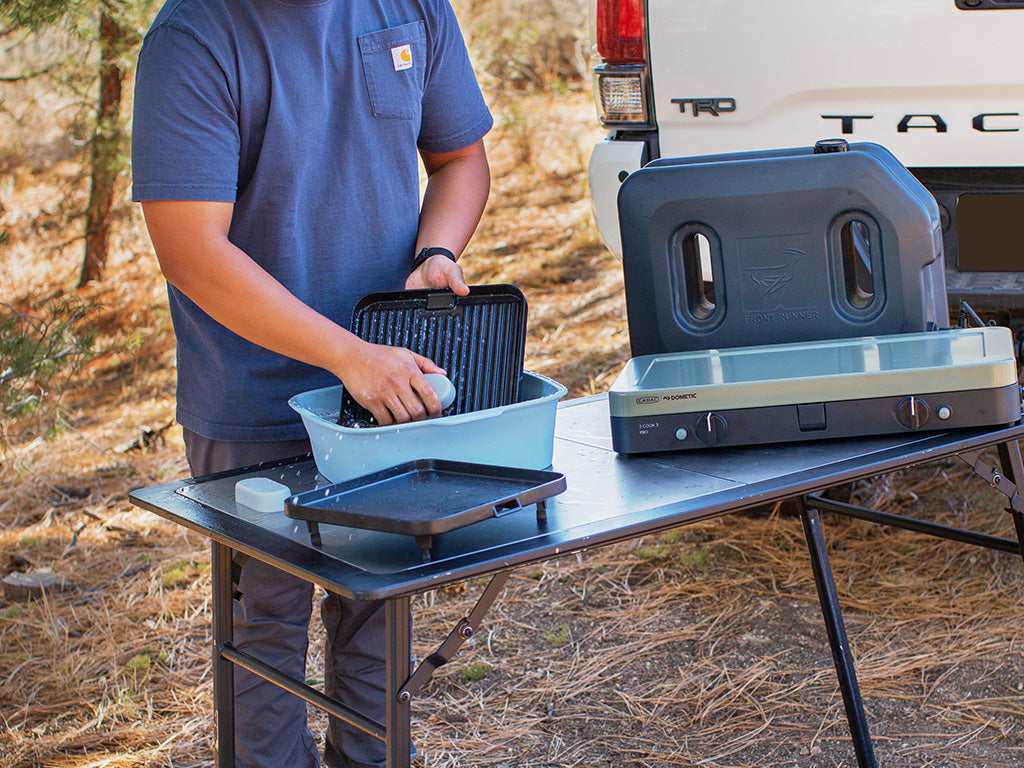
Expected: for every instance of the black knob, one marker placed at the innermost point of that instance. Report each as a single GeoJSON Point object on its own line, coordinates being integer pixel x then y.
{"type": "Point", "coordinates": [825, 146]}
{"type": "Point", "coordinates": [711, 429]}
{"type": "Point", "coordinates": [912, 412]}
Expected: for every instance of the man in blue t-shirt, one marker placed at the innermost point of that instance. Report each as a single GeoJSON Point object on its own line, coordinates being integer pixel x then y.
{"type": "Point", "coordinates": [276, 149]}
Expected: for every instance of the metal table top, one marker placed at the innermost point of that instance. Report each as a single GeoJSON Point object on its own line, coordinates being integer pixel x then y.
{"type": "Point", "coordinates": [609, 498]}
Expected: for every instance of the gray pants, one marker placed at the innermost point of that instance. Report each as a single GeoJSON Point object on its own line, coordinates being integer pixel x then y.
{"type": "Point", "coordinates": [272, 610]}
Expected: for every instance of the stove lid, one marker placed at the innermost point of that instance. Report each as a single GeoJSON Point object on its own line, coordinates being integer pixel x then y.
{"type": "Point", "coordinates": [835, 369]}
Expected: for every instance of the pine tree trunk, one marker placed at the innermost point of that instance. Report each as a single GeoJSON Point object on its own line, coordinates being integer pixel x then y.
{"type": "Point", "coordinates": [105, 157]}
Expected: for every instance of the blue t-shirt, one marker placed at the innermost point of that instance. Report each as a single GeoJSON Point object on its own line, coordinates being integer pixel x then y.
{"type": "Point", "coordinates": [307, 115]}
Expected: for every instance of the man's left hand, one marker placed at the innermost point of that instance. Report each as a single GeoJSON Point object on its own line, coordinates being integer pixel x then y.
{"type": "Point", "coordinates": [438, 272]}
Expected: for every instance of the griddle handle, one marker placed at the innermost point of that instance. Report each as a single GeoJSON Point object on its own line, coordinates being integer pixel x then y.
{"type": "Point", "coordinates": [506, 507]}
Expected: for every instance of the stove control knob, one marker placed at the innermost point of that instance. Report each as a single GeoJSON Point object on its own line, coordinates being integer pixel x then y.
{"type": "Point", "coordinates": [912, 412]}
{"type": "Point", "coordinates": [711, 429]}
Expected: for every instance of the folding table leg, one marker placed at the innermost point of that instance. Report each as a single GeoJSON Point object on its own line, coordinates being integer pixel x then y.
{"type": "Point", "coordinates": [397, 651]}
{"type": "Point", "coordinates": [1013, 468]}
{"type": "Point", "coordinates": [841, 655]}
{"type": "Point", "coordinates": [223, 670]}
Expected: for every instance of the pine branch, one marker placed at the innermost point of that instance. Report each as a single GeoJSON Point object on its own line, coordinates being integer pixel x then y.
{"type": "Point", "coordinates": [27, 76]}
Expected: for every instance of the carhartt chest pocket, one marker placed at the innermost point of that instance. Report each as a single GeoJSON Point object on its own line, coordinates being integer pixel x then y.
{"type": "Point", "coordinates": [394, 61]}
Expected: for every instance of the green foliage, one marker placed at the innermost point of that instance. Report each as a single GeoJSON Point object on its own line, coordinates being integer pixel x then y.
{"type": "Point", "coordinates": [88, 50]}
{"type": "Point", "coordinates": [34, 14]}
{"type": "Point", "coordinates": [654, 553]}
{"type": "Point", "coordinates": [80, 16]}
{"type": "Point", "coordinates": [476, 670]}
{"type": "Point", "coordinates": [697, 560]}
{"type": "Point", "coordinates": [182, 572]}
{"type": "Point", "coordinates": [557, 636]}
{"type": "Point", "coordinates": [670, 537]}
{"type": "Point", "coordinates": [671, 548]}
{"type": "Point", "coordinates": [38, 355]}
{"type": "Point", "coordinates": [139, 663]}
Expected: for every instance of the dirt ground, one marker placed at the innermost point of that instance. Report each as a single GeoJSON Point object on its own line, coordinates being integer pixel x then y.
{"type": "Point", "coordinates": [701, 647]}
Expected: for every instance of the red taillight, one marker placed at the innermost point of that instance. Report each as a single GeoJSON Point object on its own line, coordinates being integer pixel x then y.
{"type": "Point", "coordinates": [620, 31]}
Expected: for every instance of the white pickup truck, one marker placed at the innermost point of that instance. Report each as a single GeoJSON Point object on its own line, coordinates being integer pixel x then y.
{"type": "Point", "coordinates": [939, 83]}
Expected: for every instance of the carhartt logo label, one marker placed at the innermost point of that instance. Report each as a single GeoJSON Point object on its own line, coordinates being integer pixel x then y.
{"type": "Point", "coordinates": [402, 56]}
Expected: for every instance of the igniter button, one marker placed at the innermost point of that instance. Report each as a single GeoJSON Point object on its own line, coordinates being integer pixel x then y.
{"type": "Point", "coordinates": [944, 412]}
{"type": "Point", "coordinates": [682, 433]}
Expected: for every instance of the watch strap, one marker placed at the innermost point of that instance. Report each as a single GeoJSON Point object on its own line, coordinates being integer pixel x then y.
{"type": "Point", "coordinates": [426, 253]}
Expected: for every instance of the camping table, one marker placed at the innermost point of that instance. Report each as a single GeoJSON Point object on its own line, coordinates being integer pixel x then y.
{"type": "Point", "coordinates": [609, 498]}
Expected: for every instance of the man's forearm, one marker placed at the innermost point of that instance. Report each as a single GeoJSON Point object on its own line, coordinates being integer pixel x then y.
{"type": "Point", "coordinates": [198, 259]}
{"type": "Point", "coordinates": [458, 184]}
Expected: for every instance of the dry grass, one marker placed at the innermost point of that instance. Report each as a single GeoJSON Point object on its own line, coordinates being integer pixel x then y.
{"type": "Point", "coordinates": [703, 647]}
{"type": "Point", "coordinates": [526, 43]}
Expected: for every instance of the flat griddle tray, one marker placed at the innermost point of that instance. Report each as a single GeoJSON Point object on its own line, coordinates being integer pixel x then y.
{"type": "Point", "coordinates": [479, 339]}
{"type": "Point", "coordinates": [424, 498]}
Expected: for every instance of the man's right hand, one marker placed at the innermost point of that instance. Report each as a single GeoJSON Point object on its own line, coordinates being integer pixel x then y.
{"type": "Point", "coordinates": [389, 383]}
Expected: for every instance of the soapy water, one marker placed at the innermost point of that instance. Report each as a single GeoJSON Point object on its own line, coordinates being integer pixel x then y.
{"type": "Point", "coordinates": [353, 423]}
{"type": "Point", "coordinates": [327, 414]}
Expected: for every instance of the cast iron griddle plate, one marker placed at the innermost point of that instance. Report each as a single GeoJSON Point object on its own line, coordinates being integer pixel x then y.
{"type": "Point", "coordinates": [425, 497]}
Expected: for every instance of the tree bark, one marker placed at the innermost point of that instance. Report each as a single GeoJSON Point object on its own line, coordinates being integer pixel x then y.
{"type": "Point", "coordinates": [105, 155]}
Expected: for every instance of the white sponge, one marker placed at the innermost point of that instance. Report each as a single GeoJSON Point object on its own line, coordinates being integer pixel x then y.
{"type": "Point", "coordinates": [443, 387]}
{"type": "Point", "coordinates": [261, 494]}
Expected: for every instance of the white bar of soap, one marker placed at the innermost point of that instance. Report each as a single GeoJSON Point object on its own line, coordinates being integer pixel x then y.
{"type": "Point", "coordinates": [261, 494]}
{"type": "Point", "coordinates": [443, 387]}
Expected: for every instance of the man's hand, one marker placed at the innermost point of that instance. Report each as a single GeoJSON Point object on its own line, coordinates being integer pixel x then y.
{"type": "Point", "coordinates": [389, 383]}
{"type": "Point", "coordinates": [439, 272]}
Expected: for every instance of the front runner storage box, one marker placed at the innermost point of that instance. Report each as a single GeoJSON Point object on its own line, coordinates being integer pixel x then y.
{"type": "Point", "coordinates": [963, 377]}
{"type": "Point", "coordinates": [778, 246]}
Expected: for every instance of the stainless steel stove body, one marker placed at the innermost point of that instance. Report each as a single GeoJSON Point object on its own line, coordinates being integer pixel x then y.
{"type": "Point", "coordinates": [772, 393]}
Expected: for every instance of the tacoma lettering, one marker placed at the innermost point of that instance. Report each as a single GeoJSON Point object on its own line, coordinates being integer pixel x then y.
{"type": "Point", "coordinates": [986, 122]}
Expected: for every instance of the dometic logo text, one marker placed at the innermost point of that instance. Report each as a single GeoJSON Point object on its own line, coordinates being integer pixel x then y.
{"type": "Point", "coordinates": [986, 122]}
{"type": "Point", "coordinates": [647, 400]}
{"type": "Point", "coordinates": [682, 396]}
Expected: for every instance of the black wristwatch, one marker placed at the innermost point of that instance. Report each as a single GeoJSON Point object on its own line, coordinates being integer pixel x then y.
{"type": "Point", "coordinates": [426, 253]}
